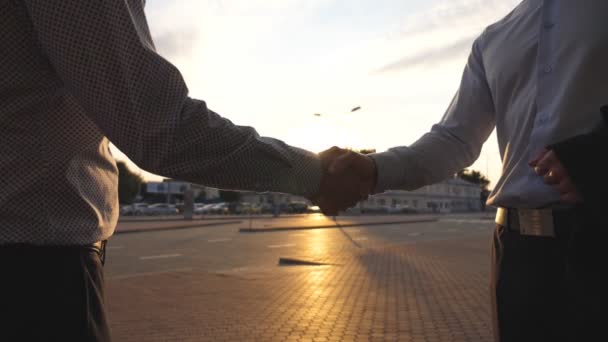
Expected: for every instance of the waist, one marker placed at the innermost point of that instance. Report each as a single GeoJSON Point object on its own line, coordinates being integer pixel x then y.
{"type": "Point", "coordinates": [17, 249]}
{"type": "Point", "coordinates": [545, 222]}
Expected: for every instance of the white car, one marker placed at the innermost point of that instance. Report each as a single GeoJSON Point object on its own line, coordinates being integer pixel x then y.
{"type": "Point", "coordinates": [138, 208]}
{"type": "Point", "coordinates": [219, 208]}
{"type": "Point", "coordinates": [161, 209]}
{"type": "Point", "coordinates": [201, 208]}
{"type": "Point", "coordinates": [126, 209]}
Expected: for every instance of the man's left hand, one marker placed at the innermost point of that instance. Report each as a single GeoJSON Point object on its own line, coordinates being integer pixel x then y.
{"type": "Point", "coordinates": [548, 166]}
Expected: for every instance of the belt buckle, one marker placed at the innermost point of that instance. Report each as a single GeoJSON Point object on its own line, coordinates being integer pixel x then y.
{"type": "Point", "coordinates": [536, 222]}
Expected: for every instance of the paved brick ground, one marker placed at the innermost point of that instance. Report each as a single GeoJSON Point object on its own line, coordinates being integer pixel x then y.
{"type": "Point", "coordinates": [431, 291]}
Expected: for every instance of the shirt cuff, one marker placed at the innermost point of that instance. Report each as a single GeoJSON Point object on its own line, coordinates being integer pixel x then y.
{"type": "Point", "coordinates": [389, 172]}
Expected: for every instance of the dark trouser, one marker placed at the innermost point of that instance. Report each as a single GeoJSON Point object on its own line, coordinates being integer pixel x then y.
{"type": "Point", "coordinates": [551, 289]}
{"type": "Point", "coordinates": [51, 294]}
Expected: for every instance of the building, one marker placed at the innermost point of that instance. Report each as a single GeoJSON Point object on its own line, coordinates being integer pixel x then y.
{"type": "Point", "coordinates": [452, 195]}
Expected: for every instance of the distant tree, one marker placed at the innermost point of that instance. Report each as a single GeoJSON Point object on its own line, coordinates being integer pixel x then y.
{"type": "Point", "coordinates": [474, 177]}
{"type": "Point", "coordinates": [230, 196]}
{"type": "Point", "coordinates": [367, 151]}
{"type": "Point", "coordinates": [129, 183]}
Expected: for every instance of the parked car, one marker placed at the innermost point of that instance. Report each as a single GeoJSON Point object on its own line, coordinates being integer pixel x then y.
{"type": "Point", "coordinates": [161, 209]}
{"type": "Point", "coordinates": [401, 209]}
{"type": "Point", "coordinates": [313, 209]}
{"type": "Point", "coordinates": [246, 208]}
{"type": "Point", "coordinates": [138, 208]}
{"type": "Point", "coordinates": [219, 209]}
{"type": "Point", "coordinates": [126, 209]}
{"type": "Point", "coordinates": [207, 208]}
{"type": "Point", "coordinates": [199, 208]}
{"type": "Point", "coordinates": [267, 208]}
{"type": "Point", "coordinates": [297, 207]}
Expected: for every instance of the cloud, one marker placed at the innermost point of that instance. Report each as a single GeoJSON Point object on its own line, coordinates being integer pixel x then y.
{"type": "Point", "coordinates": [177, 43]}
{"type": "Point", "coordinates": [443, 32]}
{"type": "Point", "coordinates": [430, 57]}
{"type": "Point", "coordinates": [454, 14]}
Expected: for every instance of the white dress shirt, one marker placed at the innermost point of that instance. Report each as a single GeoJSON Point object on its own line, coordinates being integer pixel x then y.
{"type": "Point", "coordinates": [74, 74]}
{"type": "Point", "coordinates": [539, 76]}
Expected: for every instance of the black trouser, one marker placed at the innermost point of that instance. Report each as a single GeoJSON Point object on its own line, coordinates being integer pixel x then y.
{"type": "Point", "coordinates": [551, 289]}
{"type": "Point", "coordinates": [51, 294]}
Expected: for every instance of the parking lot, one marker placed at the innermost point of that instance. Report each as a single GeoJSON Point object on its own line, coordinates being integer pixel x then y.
{"type": "Point", "coordinates": [425, 281]}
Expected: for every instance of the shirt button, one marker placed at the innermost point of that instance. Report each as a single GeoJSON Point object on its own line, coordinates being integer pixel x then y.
{"type": "Point", "coordinates": [548, 69]}
{"type": "Point", "coordinates": [548, 26]}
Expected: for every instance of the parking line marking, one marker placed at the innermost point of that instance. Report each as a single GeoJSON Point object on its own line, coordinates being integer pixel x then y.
{"type": "Point", "coordinates": [282, 246]}
{"type": "Point", "coordinates": [162, 256]}
{"type": "Point", "coordinates": [360, 239]}
{"type": "Point", "coordinates": [219, 240]}
{"type": "Point", "coordinates": [133, 275]}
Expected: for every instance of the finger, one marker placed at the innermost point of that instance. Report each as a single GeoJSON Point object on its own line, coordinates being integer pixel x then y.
{"type": "Point", "coordinates": [554, 176]}
{"type": "Point", "coordinates": [549, 159]}
{"type": "Point", "coordinates": [546, 163]}
{"type": "Point", "coordinates": [535, 161]}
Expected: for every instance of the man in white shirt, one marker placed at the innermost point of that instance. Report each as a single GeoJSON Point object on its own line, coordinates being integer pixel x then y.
{"type": "Point", "coordinates": [539, 77]}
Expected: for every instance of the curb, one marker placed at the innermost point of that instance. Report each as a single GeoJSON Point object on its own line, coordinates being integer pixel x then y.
{"type": "Point", "coordinates": [181, 227]}
{"type": "Point", "coordinates": [336, 225]}
{"type": "Point", "coordinates": [179, 218]}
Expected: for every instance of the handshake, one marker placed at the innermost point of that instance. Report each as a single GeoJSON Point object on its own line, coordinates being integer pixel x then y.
{"type": "Point", "coordinates": [348, 177]}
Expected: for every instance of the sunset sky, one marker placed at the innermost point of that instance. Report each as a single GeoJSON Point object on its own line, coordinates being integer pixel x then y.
{"type": "Point", "coordinates": [273, 64]}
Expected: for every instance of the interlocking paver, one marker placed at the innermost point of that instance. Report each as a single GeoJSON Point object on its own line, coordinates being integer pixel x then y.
{"type": "Point", "coordinates": [429, 291]}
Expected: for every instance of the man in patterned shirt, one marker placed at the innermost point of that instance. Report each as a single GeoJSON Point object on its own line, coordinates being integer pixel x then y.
{"type": "Point", "coordinates": [75, 75]}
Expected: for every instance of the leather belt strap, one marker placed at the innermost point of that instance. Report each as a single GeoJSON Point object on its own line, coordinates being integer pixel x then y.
{"type": "Point", "coordinates": [98, 247]}
{"type": "Point", "coordinates": [534, 222]}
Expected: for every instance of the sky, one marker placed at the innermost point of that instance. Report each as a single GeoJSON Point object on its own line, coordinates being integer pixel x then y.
{"type": "Point", "coordinates": [273, 64]}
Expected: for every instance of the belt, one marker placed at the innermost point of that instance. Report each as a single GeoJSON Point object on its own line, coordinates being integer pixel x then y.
{"type": "Point", "coordinates": [98, 247]}
{"type": "Point", "coordinates": [534, 222]}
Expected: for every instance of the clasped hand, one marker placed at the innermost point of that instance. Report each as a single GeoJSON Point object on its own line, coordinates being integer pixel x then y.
{"type": "Point", "coordinates": [348, 177]}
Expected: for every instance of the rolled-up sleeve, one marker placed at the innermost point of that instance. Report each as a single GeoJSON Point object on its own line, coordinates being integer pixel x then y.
{"type": "Point", "coordinates": [452, 144]}
{"type": "Point", "coordinates": [103, 53]}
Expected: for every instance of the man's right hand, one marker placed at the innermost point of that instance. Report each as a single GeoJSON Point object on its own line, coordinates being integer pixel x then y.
{"type": "Point", "coordinates": [348, 177]}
